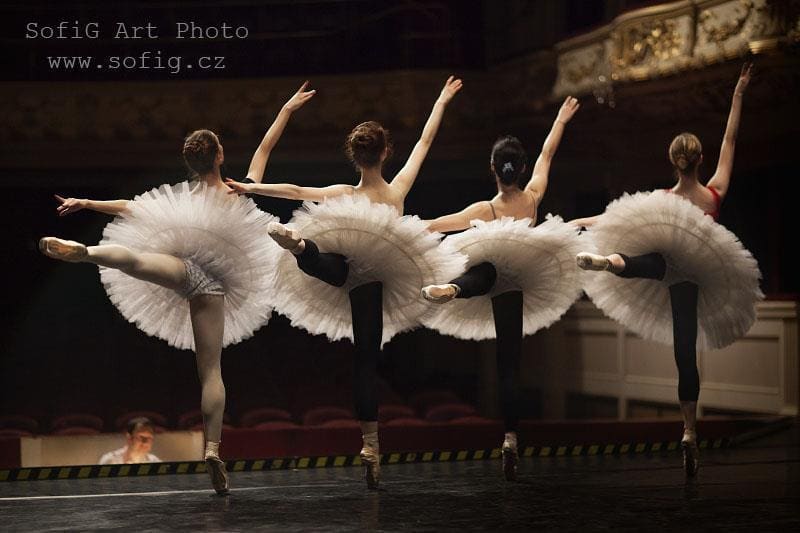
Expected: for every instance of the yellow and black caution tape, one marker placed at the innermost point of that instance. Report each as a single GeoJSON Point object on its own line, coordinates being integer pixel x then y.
{"type": "Point", "coordinates": [291, 463]}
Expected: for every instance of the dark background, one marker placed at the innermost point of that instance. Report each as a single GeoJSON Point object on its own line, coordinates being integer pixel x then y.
{"type": "Point", "coordinates": [63, 345]}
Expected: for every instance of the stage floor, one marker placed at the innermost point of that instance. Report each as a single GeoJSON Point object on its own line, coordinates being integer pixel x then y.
{"type": "Point", "coordinates": [754, 486]}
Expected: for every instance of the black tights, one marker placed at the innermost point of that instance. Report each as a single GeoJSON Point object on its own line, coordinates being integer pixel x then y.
{"type": "Point", "coordinates": [507, 311]}
{"type": "Point", "coordinates": [683, 297]}
{"type": "Point", "coordinates": [366, 305]}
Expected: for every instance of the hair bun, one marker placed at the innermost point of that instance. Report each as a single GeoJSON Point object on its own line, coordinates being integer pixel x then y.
{"type": "Point", "coordinates": [366, 144]}
{"type": "Point", "coordinates": [682, 163]}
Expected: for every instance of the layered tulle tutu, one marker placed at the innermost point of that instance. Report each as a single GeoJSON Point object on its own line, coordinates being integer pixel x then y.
{"type": "Point", "coordinates": [538, 261]}
{"type": "Point", "coordinates": [695, 248]}
{"type": "Point", "coordinates": [379, 245]}
{"type": "Point", "coordinates": [224, 235]}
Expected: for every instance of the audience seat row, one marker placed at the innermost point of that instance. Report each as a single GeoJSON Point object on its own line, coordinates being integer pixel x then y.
{"type": "Point", "coordinates": [437, 406]}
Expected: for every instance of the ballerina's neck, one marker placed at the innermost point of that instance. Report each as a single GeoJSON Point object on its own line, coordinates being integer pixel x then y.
{"type": "Point", "coordinates": [687, 181]}
{"type": "Point", "coordinates": [508, 192]}
{"type": "Point", "coordinates": [212, 179]}
{"type": "Point", "coordinates": [372, 176]}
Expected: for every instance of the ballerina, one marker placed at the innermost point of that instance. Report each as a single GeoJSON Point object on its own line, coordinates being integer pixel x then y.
{"type": "Point", "coordinates": [364, 286]}
{"type": "Point", "coordinates": [670, 253]}
{"type": "Point", "coordinates": [179, 262]}
{"type": "Point", "coordinates": [520, 279]}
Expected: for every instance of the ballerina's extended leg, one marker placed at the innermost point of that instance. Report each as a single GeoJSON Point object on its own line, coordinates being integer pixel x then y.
{"type": "Point", "coordinates": [162, 269]}
{"type": "Point", "coordinates": [476, 281]}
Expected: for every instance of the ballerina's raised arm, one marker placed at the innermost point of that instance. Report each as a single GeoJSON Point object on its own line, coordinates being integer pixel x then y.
{"type": "Point", "coordinates": [404, 179]}
{"type": "Point", "coordinates": [722, 176]}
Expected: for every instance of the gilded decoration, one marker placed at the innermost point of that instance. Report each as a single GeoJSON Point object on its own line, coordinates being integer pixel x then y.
{"type": "Point", "coordinates": [716, 31]}
{"type": "Point", "coordinates": [650, 41]}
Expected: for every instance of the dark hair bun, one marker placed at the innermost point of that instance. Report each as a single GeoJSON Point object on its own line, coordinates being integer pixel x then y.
{"type": "Point", "coordinates": [509, 160]}
{"type": "Point", "coordinates": [366, 143]}
{"type": "Point", "coordinates": [200, 150]}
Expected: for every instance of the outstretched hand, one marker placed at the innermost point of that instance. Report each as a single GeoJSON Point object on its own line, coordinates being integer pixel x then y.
{"type": "Point", "coordinates": [744, 78]}
{"type": "Point", "coordinates": [68, 205]}
{"type": "Point", "coordinates": [300, 97]}
{"type": "Point", "coordinates": [237, 187]}
{"type": "Point", "coordinates": [568, 109]}
{"type": "Point", "coordinates": [451, 87]}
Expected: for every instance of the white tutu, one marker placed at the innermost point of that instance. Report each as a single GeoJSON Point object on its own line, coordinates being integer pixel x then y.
{"type": "Point", "coordinates": [538, 261]}
{"type": "Point", "coordinates": [379, 245]}
{"type": "Point", "coordinates": [224, 235]}
{"type": "Point", "coordinates": [695, 248]}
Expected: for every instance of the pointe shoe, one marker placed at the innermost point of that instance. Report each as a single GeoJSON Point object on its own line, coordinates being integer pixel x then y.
{"type": "Point", "coordinates": [219, 477]}
{"type": "Point", "coordinates": [71, 251]}
{"type": "Point", "coordinates": [691, 453]}
{"type": "Point", "coordinates": [510, 457]}
{"type": "Point", "coordinates": [440, 294]}
{"type": "Point", "coordinates": [371, 459]}
{"type": "Point", "coordinates": [588, 261]}
{"type": "Point", "coordinates": [285, 237]}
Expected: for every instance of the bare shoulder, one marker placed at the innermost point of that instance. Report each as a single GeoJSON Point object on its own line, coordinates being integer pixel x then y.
{"type": "Point", "coordinates": [480, 210]}
{"type": "Point", "coordinates": [533, 198]}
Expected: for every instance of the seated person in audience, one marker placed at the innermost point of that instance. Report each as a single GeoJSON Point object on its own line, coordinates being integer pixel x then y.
{"type": "Point", "coordinates": [139, 433]}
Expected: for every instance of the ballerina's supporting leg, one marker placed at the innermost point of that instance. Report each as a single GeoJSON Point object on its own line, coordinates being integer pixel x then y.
{"type": "Point", "coordinates": [208, 325]}
{"type": "Point", "coordinates": [683, 297]}
{"type": "Point", "coordinates": [507, 310]}
{"type": "Point", "coordinates": [366, 303]}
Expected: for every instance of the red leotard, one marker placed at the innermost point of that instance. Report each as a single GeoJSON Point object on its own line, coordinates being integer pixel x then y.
{"type": "Point", "coordinates": [715, 213]}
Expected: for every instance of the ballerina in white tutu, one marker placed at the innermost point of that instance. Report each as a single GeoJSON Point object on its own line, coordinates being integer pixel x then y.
{"type": "Point", "coordinates": [364, 284]}
{"type": "Point", "coordinates": [680, 277]}
{"type": "Point", "coordinates": [519, 279]}
{"type": "Point", "coordinates": [181, 263]}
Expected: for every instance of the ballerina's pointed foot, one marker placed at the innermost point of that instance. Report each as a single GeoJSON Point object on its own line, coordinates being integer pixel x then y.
{"type": "Point", "coordinates": [219, 476]}
{"type": "Point", "coordinates": [510, 457]}
{"type": "Point", "coordinates": [287, 238]}
{"type": "Point", "coordinates": [62, 249]}
{"type": "Point", "coordinates": [371, 459]}
{"type": "Point", "coordinates": [589, 261]}
{"type": "Point", "coordinates": [440, 294]}
{"type": "Point", "coordinates": [691, 453]}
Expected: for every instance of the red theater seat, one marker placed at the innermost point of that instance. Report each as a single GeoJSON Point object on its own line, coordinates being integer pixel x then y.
{"type": "Point", "coordinates": [199, 427]}
{"type": "Point", "coordinates": [422, 402]}
{"type": "Point", "coordinates": [320, 415]}
{"type": "Point", "coordinates": [449, 411]}
{"type": "Point", "coordinates": [340, 423]}
{"type": "Point", "coordinates": [275, 424]}
{"type": "Point", "coordinates": [391, 411]}
{"type": "Point", "coordinates": [406, 422]}
{"type": "Point", "coordinates": [159, 421]}
{"type": "Point", "coordinates": [194, 419]}
{"type": "Point", "coordinates": [253, 417]}
{"type": "Point", "coordinates": [471, 420]}
{"type": "Point", "coordinates": [20, 422]}
{"type": "Point", "coordinates": [77, 420]}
